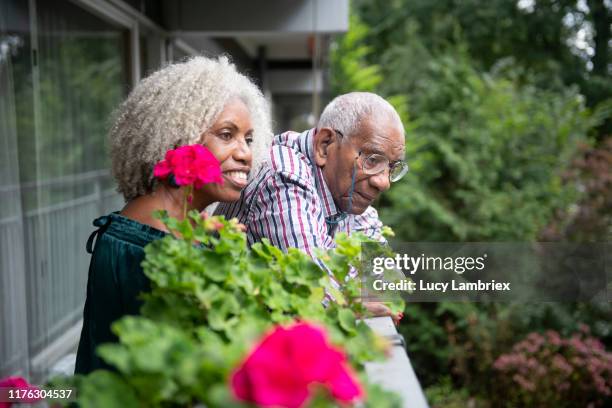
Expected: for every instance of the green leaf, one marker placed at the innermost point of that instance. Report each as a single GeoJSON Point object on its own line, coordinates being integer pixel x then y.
{"type": "Point", "coordinates": [104, 389]}
{"type": "Point", "coordinates": [347, 320]}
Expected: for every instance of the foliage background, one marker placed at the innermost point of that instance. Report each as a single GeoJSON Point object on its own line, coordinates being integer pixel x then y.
{"type": "Point", "coordinates": [506, 106]}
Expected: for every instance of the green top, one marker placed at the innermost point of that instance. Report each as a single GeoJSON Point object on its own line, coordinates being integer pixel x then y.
{"type": "Point", "coordinates": [114, 284]}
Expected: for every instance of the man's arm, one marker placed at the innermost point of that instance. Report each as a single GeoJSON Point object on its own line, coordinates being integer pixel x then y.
{"type": "Point", "coordinates": [369, 224]}
{"type": "Point", "coordinates": [287, 211]}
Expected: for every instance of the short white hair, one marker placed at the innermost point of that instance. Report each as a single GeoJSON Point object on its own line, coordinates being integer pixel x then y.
{"type": "Point", "coordinates": [173, 107]}
{"type": "Point", "coordinates": [346, 112]}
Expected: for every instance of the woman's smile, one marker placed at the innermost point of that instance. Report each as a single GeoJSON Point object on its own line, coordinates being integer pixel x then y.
{"type": "Point", "coordinates": [236, 177]}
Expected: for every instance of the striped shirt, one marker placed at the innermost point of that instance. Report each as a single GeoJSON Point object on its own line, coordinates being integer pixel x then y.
{"type": "Point", "coordinates": [289, 203]}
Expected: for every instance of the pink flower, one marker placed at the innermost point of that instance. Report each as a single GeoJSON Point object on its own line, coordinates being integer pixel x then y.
{"type": "Point", "coordinates": [18, 383]}
{"type": "Point", "coordinates": [554, 338]}
{"type": "Point", "coordinates": [576, 368]}
{"type": "Point", "coordinates": [191, 165]}
{"type": "Point", "coordinates": [560, 363]}
{"type": "Point", "coordinates": [285, 366]}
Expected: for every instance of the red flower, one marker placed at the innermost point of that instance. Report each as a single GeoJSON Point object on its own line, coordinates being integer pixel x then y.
{"type": "Point", "coordinates": [17, 383]}
{"type": "Point", "coordinates": [284, 366]}
{"type": "Point", "coordinates": [191, 165]}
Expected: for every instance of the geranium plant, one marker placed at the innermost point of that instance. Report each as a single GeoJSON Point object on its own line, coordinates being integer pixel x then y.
{"type": "Point", "coordinates": [212, 302]}
{"type": "Point", "coordinates": [213, 299]}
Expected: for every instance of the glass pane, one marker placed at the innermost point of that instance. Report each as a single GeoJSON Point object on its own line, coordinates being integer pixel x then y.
{"type": "Point", "coordinates": [14, 61]}
{"type": "Point", "coordinates": [78, 77]}
{"type": "Point", "coordinates": [82, 78]}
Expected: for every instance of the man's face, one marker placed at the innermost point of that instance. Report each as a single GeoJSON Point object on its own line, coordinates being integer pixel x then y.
{"type": "Point", "coordinates": [382, 137]}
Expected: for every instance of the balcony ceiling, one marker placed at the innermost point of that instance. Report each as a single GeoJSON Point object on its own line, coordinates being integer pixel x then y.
{"type": "Point", "coordinates": [284, 27]}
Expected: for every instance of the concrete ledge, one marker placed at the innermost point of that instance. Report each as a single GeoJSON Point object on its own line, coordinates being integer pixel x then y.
{"type": "Point", "coordinates": [41, 365]}
{"type": "Point", "coordinates": [396, 373]}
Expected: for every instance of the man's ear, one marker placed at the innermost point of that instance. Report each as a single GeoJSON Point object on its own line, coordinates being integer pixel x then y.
{"type": "Point", "coordinates": [323, 140]}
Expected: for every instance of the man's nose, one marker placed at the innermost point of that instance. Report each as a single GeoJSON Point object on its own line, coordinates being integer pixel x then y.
{"type": "Point", "coordinates": [381, 181]}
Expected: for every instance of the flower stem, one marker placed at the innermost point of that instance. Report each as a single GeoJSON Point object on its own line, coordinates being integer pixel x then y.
{"type": "Point", "coordinates": [186, 199]}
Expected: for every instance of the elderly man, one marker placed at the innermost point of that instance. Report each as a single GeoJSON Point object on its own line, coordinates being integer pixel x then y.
{"type": "Point", "coordinates": [324, 180]}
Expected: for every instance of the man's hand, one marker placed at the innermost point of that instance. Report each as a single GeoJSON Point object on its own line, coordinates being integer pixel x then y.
{"type": "Point", "coordinates": [378, 309]}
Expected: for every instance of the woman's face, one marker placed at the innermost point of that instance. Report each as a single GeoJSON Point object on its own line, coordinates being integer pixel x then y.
{"type": "Point", "coordinates": [229, 139]}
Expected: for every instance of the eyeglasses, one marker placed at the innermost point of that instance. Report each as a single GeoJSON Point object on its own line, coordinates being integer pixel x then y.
{"type": "Point", "coordinates": [377, 163]}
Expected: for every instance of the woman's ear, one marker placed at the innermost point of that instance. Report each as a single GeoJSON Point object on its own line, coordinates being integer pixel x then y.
{"type": "Point", "coordinates": [323, 140]}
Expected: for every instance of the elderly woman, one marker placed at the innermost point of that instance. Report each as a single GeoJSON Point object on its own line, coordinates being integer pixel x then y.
{"type": "Point", "coordinates": [200, 101]}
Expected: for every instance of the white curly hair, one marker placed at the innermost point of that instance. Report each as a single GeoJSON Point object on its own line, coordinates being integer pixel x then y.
{"type": "Point", "coordinates": [173, 107]}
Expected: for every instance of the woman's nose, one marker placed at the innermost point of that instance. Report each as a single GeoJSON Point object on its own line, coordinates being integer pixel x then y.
{"type": "Point", "coordinates": [242, 152]}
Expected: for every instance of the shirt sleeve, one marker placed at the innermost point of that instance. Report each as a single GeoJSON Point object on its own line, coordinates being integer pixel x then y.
{"type": "Point", "coordinates": [287, 211]}
{"type": "Point", "coordinates": [369, 224]}
{"type": "Point", "coordinates": [229, 210]}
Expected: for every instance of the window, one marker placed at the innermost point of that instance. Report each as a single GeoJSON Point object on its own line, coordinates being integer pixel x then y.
{"type": "Point", "coordinates": [60, 81]}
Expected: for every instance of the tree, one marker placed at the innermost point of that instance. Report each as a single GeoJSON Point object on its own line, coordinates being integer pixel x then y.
{"type": "Point", "coordinates": [556, 43]}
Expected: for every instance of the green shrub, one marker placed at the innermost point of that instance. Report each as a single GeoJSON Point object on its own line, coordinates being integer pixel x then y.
{"type": "Point", "coordinates": [445, 395]}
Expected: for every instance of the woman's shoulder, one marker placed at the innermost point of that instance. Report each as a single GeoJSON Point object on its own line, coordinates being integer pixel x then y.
{"type": "Point", "coordinates": [121, 230]}
{"type": "Point", "coordinates": [117, 249]}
